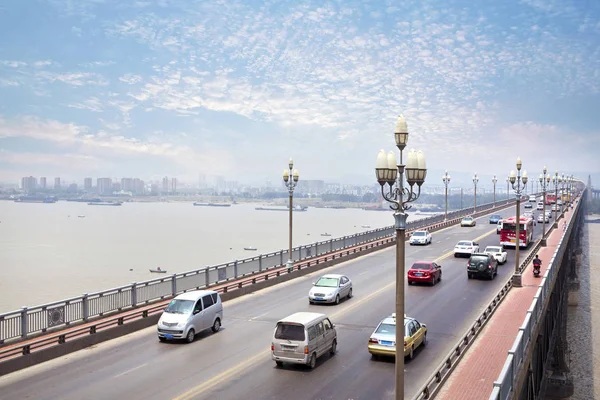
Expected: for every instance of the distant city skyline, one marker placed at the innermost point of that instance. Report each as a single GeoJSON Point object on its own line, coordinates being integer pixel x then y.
{"type": "Point", "coordinates": [155, 88]}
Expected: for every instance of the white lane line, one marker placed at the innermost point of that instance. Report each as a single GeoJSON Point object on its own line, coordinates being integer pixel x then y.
{"type": "Point", "coordinates": [263, 314]}
{"type": "Point", "coordinates": [439, 241]}
{"type": "Point", "coordinates": [130, 370]}
{"type": "Point", "coordinates": [364, 272]}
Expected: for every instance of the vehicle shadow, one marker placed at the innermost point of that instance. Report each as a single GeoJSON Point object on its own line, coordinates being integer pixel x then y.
{"type": "Point", "coordinates": [199, 336]}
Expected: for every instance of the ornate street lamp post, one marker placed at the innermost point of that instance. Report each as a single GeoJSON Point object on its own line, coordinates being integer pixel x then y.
{"type": "Point", "coordinates": [494, 180]}
{"type": "Point", "coordinates": [518, 183]}
{"type": "Point", "coordinates": [446, 180]}
{"type": "Point", "coordinates": [475, 181]}
{"type": "Point", "coordinates": [290, 178]}
{"type": "Point", "coordinates": [544, 181]}
{"type": "Point", "coordinates": [507, 190]}
{"type": "Point", "coordinates": [389, 172]}
{"type": "Point", "coordinates": [555, 182]}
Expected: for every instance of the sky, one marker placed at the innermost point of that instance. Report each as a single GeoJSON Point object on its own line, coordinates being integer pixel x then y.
{"type": "Point", "coordinates": [114, 88]}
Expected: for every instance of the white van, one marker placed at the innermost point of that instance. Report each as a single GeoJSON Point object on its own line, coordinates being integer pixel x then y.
{"type": "Point", "coordinates": [303, 337]}
{"type": "Point", "coordinates": [191, 313]}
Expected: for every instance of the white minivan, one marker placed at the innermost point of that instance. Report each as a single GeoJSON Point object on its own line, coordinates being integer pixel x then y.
{"type": "Point", "coordinates": [191, 313]}
{"type": "Point", "coordinates": [303, 337]}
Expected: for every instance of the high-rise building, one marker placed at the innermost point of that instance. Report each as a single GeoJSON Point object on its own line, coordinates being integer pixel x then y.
{"type": "Point", "coordinates": [201, 181]}
{"type": "Point", "coordinates": [72, 188]}
{"type": "Point", "coordinates": [43, 182]}
{"type": "Point", "coordinates": [56, 183]}
{"type": "Point", "coordinates": [87, 184]}
{"type": "Point", "coordinates": [138, 186]}
{"type": "Point", "coordinates": [28, 184]}
{"type": "Point", "coordinates": [127, 184]}
{"type": "Point", "coordinates": [173, 185]}
{"type": "Point", "coordinates": [104, 185]}
{"type": "Point", "coordinates": [165, 185]}
{"type": "Point", "coordinates": [154, 189]}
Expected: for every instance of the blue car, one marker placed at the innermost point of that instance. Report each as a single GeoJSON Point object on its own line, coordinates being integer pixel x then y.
{"type": "Point", "coordinates": [495, 218]}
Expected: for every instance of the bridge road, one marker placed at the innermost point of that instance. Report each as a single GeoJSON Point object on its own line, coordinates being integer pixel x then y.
{"type": "Point", "coordinates": [235, 363]}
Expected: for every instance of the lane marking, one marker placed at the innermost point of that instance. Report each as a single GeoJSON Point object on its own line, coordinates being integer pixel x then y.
{"type": "Point", "coordinates": [451, 252]}
{"type": "Point", "coordinates": [262, 315]}
{"type": "Point", "coordinates": [130, 370]}
{"type": "Point", "coordinates": [261, 356]}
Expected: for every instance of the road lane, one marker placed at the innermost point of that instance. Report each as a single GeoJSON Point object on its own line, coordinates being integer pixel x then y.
{"type": "Point", "coordinates": [235, 362]}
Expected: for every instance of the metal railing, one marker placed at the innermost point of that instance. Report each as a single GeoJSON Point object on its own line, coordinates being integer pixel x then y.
{"type": "Point", "coordinates": [21, 323]}
{"type": "Point", "coordinates": [435, 382]}
{"type": "Point", "coordinates": [504, 386]}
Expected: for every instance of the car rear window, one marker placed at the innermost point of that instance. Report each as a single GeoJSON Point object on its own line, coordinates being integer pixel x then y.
{"type": "Point", "coordinates": [388, 329]}
{"type": "Point", "coordinates": [421, 266]}
{"type": "Point", "coordinates": [286, 331]}
{"type": "Point", "coordinates": [477, 259]}
{"type": "Point", "coordinates": [464, 244]}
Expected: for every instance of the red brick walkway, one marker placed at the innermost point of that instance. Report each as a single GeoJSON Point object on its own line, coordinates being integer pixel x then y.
{"type": "Point", "coordinates": [475, 374]}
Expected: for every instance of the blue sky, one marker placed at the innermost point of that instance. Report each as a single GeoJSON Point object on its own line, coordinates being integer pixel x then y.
{"type": "Point", "coordinates": [179, 87]}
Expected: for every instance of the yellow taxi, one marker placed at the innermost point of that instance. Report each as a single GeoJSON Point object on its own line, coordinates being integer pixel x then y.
{"type": "Point", "coordinates": [383, 340]}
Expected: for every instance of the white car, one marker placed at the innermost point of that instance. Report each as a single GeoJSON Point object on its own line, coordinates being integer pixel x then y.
{"type": "Point", "coordinates": [497, 252]}
{"type": "Point", "coordinates": [540, 206]}
{"type": "Point", "coordinates": [330, 288]}
{"type": "Point", "coordinates": [540, 218]}
{"type": "Point", "coordinates": [420, 237]}
{"type": "Point", "coordinates": [528, 214]}
{"type": "Point", "coordinates": [532, 198]}
{"type": "Point", "coordinates": [466, 247]}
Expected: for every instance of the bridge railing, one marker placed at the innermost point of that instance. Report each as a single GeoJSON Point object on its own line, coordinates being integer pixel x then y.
{"type": "Point", "coordinates": [39, 319]}
{"type": "Point", "coordinates": [504, 386]}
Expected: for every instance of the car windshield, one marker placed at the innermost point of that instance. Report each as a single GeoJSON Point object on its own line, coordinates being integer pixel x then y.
{"type": "Point", "coordinates": [492, 249]}
{"type": "Point", "coordinates": [464, 244]}
{"type": "Point", "coordinates": [180, 306]}
{"type": "Point", "coordinates": [420, 266]}
{"type": "Point", "coordinates": [286, 331]}
{"type": "Point", "coordinates": [327, 282]}
{"type": "Point", "coordinates": [386, 329]}
{"type": "Point", "coordinates": [419, 233]}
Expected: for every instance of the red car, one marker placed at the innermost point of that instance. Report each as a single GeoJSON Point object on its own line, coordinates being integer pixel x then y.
{"type": "Point", "coordinates": [425, 272]}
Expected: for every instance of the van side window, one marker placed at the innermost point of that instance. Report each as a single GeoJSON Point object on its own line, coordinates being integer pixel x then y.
{"type": "Point", "coordinates": [312, 333]}
{"type": "Point", "coordinates": [214, 297]}
{"type": "Point", "coordinates": [198, 306]}
{"type": "Point", "coordinates": [320, 330]}
{"type": "Point", "coordinates": [327, 325]}
{"type": "Point", "coordinates": [208, 301]}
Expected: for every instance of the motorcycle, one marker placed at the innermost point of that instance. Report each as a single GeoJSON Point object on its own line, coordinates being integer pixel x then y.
{"type": "Point", "coordinates": [536, 269]}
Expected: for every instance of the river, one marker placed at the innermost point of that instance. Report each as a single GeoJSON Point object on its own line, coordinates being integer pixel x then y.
{"type": "Point", "coordinates": [50, 252]}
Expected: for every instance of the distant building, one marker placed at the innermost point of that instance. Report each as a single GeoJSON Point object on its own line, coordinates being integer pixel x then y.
{"type": "Point", "coordinates": [154, 189]}
{"type": "Point", "coordinates": [28, 184]}
{"type": "Point", "coordinates": [202, 181]}
{"type": "Point", "coordinates": [87, 184]}
{"type": "Point", "coordinates": [127, 184]}
{"type": "Point", "coordinates": [173, 185]}
{"type": "Point", "coordinates": [138, 187]}
{"type": "Point", "coordinates": [116, 187]}
{"type": "Point", "coordinates": [43, 183]}
{"type": "Point", "coordinates": [56, 183]}
{"type": "Point", "coordinates": [104, 185]}
{"type": "Point", "coordinates": [73, 188]}
{"type": "Point", "coordinates": [165, 185]}
{"type": "Point", "coordinates": [311, 186]}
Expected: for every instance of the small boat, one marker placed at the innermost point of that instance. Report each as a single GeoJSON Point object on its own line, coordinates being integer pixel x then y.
{"type": "Point", "coordinates": [325, 234]}
{"type": "Point", "coordinates": [250, 248]}
{"type": "Point", "coordinates": [365, 226]}
{"type": "Point", "coordinates": [159, 271]}
{"type": "Point", "coordinates": [81, 216]}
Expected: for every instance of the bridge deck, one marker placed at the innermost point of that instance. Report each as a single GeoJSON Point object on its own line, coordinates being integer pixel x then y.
{"type": "Point", "coordinates": [475, 374]}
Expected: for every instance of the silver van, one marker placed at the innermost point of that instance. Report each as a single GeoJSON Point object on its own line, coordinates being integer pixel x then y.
{"type": "Point", "coordinates": [303, 337]}
{"type": "Point", "coordinates": [191, 313]}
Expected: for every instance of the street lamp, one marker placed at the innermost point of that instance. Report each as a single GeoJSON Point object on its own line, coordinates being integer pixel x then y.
{"type": "Point", "coordinates": [494, 180]}
{"type": "Point", "coordinates": [446, 180]}
{"type": "Point", "coordinates": [518, 183]}
{"type": "Point", "coordinates": [563, 182]}
{"type": "Point", "coordinates": [544, 181]}
{"type": "Point", "coordinates": [389, 172]}
{"type": "Point", "coordinates": [475, 181]}
{"type": "Point", "coordinates": [290, 177]}
{"type": "Point", "coordinates": [555, 182]}
{"type": "Point", "coordinates": [507, 182]}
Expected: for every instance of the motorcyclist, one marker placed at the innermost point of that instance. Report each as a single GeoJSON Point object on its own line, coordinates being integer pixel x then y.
{"type": "Point", "coordinates": [537, 264]}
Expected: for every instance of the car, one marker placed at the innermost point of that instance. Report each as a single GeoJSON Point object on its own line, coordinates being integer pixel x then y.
{"type": "Point", "coordinates": [189, 314]}
{"type": "Point", "coordinates": [330, 288]}
{"type": "Point", "coordinates": [498, 253]}
{"type": "Point", "coordinates": [532, 198]}
{"type": "Point", "coordinates": [466, 247]}
{"type": "Point", "coordinates": [467, 221]}
{"type": "Point", "coordinates": [494, 218]}
{"type": "Point", "coordinates": [541, 218]}
{"type": "Point", "coordinates": [382, 341]}
{"type": "Point", "coordinates": [548, 213]}
{"type": "Point", "coordinates": [482, 265]}
{"type": "Point", "coordinates": [499, 227]}
{"type": "Point", "coordinates": [528, 214]}
{"type": "Point", "coordinates": [555, 207]}
{"type": "Point", "coordinates": [528, 205]}
{"type": "Point", "coordinates": [540, 206]}
{"type": "Point", "coordinates": [420, 237]}
{"type": "Point", "coordinates": [424, 272]}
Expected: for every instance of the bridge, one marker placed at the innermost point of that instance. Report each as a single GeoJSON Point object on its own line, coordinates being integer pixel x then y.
{"type": "Point", "coordinates": [517, 329]}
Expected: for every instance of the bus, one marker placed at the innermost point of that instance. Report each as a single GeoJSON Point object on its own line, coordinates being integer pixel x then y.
{"type": "Point", "coordinates": [550, 199]}
{"type": "Point", "coordinates": [508, 232]}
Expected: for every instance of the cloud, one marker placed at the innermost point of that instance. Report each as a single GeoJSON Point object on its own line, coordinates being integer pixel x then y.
{"type": "Point", "coordinates": [131, 79]}
{"type": "Point", "coordinates": [69, 160]}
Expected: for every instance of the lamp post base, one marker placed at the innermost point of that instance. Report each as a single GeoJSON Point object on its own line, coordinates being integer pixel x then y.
{"type": "Point", "coordinates": [543, 242]}
{"type": "Point", "coordinates": [290, 266]}
{"type": "Point", "coordinates": [517, 280]}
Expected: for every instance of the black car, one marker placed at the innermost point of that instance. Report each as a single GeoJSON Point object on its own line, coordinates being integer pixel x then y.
{"type": "Point", "coordinates": [482, 265]}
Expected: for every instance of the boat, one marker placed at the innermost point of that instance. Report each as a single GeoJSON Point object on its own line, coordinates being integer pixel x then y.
{"type": "Point", "coordinates": [325, 234]}
{"type": "Point", "coordinates": [295, 208]}
{"type": "Point", "coordinates": [365, 226]}
{"type": "Point", "coordinates": [36, 199]}
{"type": "Point", "coordinates": [250, 248]}
{"type": "Point", "coordinates": [86, 200]}
{"type": "Point", "coordinates": [80, 216]}
{"type": "Point", "coordinates": [212, 204]}
{"type": "Point", "coordinates": [105, 203]}
{"type": "Point", "coordinates": [158, 271]}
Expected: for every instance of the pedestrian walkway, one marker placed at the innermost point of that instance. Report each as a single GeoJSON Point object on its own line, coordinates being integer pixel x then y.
{"type": "Point", "coordinates": [475, 374]}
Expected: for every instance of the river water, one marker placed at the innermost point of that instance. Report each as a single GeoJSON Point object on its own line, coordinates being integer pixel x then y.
{"type": "Point", "coordinates": [50, 252]}
{"type": "Point", "coordinates": [583, 326]}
